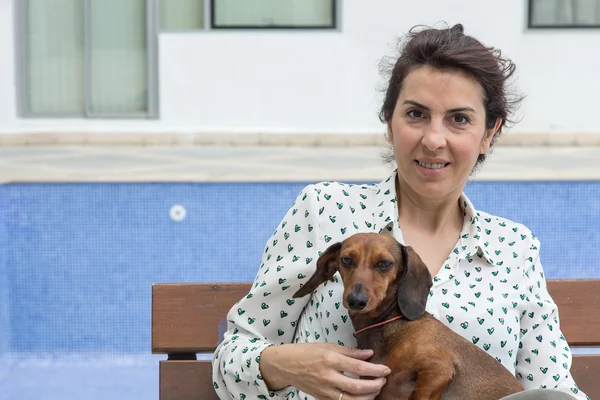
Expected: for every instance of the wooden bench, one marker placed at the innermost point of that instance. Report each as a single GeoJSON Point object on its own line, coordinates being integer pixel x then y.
{"type": "Point", "coordinates": [189, 318]}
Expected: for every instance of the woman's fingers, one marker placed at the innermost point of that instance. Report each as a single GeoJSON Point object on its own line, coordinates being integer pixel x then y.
{"type": "Point", "coordinates": [360, 386]}
{"type": "Point", "coordinates": [334, 394]}
{"type": "Point", "coordinates": [359, 397]}
{"type": "Point", "coordinates": [360, 354]}
{"type": "Point", "coordinates": [353, 362]}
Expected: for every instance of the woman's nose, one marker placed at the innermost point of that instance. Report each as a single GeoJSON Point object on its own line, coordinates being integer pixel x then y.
{"type": "Point", "coordinates": [434, 136]}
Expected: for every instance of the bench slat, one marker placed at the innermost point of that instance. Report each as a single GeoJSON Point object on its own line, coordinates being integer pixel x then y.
{"type": "Point", "coordinates": [585, 373]}
{"type": "Point", "coordinates": [187, 380]}
{"type": "Point", "coordinates": [187, 317]}
{"type": "Point", "coordinates": [579, 310]}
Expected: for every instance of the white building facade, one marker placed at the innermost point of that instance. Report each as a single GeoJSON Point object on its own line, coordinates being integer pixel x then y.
{"type": "Point", "coordinates": [139, 68]}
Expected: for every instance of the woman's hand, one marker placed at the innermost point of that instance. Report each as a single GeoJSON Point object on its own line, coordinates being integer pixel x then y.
{"type": "Point", "coordinates": [318, 369]}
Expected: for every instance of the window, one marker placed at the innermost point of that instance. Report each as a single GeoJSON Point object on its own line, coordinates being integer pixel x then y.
{"type": "Point", "coordinates": [181, 15]}
{"type": "Point", "coordinates": [273, 14]}
{"type": "Point", "coordinates": [564, 13]}
{"type": "Point", "coordinates": [247, 14]}
{"type": "Point", "coordinates": [87, 58]}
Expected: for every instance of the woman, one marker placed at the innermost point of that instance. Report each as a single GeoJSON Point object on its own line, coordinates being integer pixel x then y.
{"type": "Point", "coordinates": [445, 105]}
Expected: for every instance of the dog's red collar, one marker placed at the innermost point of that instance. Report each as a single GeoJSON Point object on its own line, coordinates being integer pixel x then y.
{"type": "Point", "coordinates": [378, 324]}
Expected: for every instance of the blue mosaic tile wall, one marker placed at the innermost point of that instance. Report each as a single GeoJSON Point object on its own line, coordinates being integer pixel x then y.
{"type": "Point", "coordinates": [4, 296]}
{"type": "Point", "coordinates": [77, 261]}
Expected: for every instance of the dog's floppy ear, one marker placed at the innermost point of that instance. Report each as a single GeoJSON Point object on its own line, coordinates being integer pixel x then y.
{"type": "Point", "coordinates": [326, 268]}
{"type": "Point", "coordinates": [413, 284]}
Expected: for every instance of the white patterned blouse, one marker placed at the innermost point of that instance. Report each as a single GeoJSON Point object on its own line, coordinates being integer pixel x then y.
{"type": "Point", "coordinates": [491, 290]}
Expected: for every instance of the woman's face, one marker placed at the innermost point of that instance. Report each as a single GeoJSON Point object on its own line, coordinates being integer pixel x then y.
{"type": "Point", "coordinates": [438, 130]}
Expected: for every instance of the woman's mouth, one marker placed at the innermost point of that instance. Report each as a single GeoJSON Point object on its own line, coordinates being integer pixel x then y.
{"type": "Point", "coordinates": [433, 165]}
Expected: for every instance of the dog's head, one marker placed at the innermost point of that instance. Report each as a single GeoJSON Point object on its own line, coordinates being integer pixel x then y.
{"type": "Point", "coordinates": [376, 270]}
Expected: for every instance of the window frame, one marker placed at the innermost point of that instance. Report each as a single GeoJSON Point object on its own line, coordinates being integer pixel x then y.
{"type": "Point", "coordinates": [21, 30]}
{"type": "Point", "coordinates": [531, 25]}
{"type": "Point", "coordinates": [333, 26]}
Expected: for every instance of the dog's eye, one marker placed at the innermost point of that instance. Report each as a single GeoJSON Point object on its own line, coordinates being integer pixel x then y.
{"type": "Point", "coordinates": [384, 265]}
{"type": "Point", "coordinates": [346, 261]}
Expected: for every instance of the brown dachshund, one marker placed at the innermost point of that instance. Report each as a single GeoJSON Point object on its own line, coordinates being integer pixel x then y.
{"type": "Point", "coordinates": [386, 286]}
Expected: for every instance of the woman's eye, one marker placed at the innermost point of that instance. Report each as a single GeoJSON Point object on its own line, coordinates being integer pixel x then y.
{"type": "Point", "coordinates": [346, 261]}
{"type": "Point", "coordinates": [415, 114]}
{"type": "Point", "coordinates": [384, 265]}
{"type": "Point", "coordinates": [460, 119]}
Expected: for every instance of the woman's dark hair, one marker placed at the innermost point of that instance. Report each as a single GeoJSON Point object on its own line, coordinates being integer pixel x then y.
{"type": "Point", "coordinates": [450, 48]}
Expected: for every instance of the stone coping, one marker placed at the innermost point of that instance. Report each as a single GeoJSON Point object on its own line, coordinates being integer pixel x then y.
{"type": "Point", "coordinates": [264, 139]}
{"type": "Point", "coordinates": [203, 163]}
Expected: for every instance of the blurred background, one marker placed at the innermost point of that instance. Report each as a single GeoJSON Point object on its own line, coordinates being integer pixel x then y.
{"type": "Point", "coordinates": [146, 141]}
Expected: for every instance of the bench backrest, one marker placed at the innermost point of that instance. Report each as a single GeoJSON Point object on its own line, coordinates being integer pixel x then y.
{"type": "Point", "coordinates": [189, 318]}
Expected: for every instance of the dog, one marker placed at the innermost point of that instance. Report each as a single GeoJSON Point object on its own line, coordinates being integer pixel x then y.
{"type": "Point", "coordinates": [386, 285]}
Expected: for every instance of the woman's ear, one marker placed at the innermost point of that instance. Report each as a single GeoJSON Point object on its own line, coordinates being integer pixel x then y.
{"type": "Point", "coordinates": [489, 135]}
{"type": "Point", "coordinates": [389, 136]}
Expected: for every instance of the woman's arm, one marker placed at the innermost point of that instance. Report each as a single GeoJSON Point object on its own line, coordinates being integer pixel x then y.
{"type": "Point", "coordinates": [544, 358]}
{"type": "Point", "coordinates": [257, 357]}
{"type": "Point", "coordinates": [268, 315]}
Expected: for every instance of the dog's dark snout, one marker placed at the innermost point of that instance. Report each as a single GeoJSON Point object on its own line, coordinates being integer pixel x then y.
{"type": "Point", "coordinates": [357, 301]}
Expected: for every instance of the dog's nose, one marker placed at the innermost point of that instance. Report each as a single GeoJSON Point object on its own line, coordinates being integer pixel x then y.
{"type": "Point", "coordinates": [357, 301]}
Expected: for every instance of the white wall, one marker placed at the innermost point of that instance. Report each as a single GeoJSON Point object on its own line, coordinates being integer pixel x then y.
{"type": "Point", "coordinates": [325, 82]}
